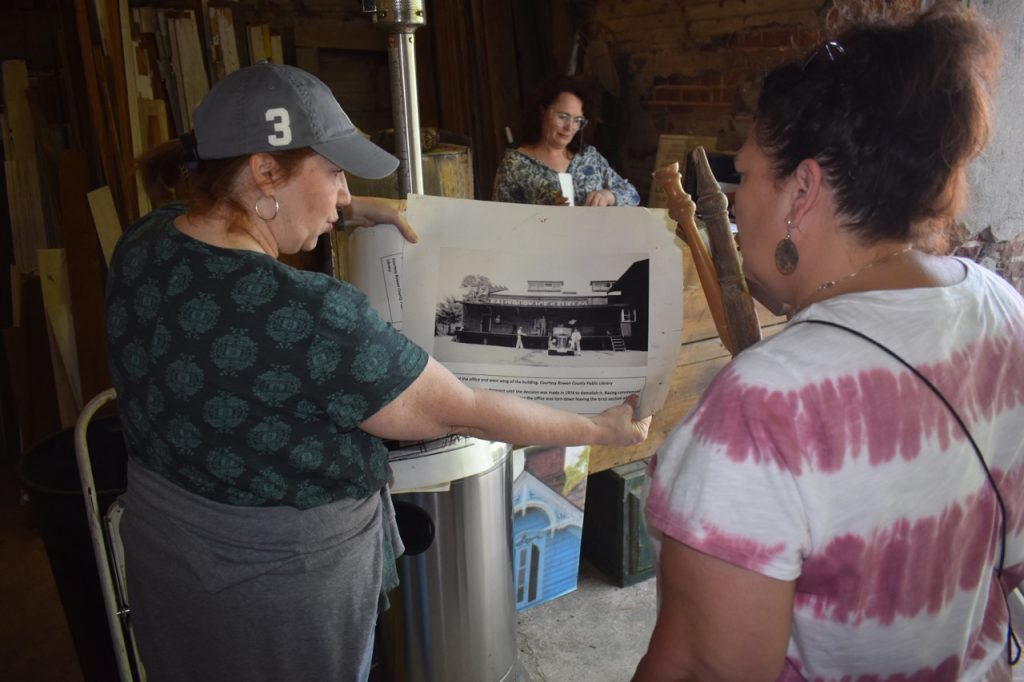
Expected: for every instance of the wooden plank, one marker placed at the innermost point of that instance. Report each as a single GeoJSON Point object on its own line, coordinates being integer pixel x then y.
{"type": "Point", "coordinates": [66, 410]}
{"type": "Point", "coordinates": [340, 34]}
{"type": "Point", "coordinates": [28, 360]}
{"type": "Point", "coordinates": [8, 143]}
{"type": "Point", "coordinates": [190, 57]}
{"type": "Point", "coordinates": [120, 116]}
{"type": "Point", "coordinates": [104, 215]}
{"type": "Point", "coordinates": [276, 49]}
{"type": "Point", "coordinates": [20, 137]}
{"type": "Point", "coordinates": [25, 203]}
{"type": "Point", "coordinates": [144, 71]}
{"type": "Point", "coordinates": [259, 42]}
{"type": "Point", "coordinates": [17, 312]}
{"type": "Point", "coordinates": [145, 18]}
{"type": "Point", "coordinates": [131, 73]}
{"type": "Point", "coordinates": [53, 277]}
{"type": "Point", "coordinates": [100, 7]}
{"type": "Point", "coordinates": [153, 120]}
{"type": "Point", "coordinates": [167, 70]}
{"type": "Point", "coordinates": [105, 146]}
{"type": "Point", "coordinates": [202, 21]}
{"type": "Point", "coordinates": [178, 69]}
{"type": "Point", "coordinates": [223, 46]}
{"type": "Point", "coordinates": [21, 168]}
{"type": "Point", "coordinates": [85, 272]}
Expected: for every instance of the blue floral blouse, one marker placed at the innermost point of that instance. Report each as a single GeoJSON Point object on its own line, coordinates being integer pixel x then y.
{"type": "Point", "coordinates": [522, 179]}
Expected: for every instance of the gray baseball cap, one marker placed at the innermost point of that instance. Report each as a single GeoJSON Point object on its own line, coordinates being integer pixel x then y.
{"type": "Point", "coordinates": [272, 107]}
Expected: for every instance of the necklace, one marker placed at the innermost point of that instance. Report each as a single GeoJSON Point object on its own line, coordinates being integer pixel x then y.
{"type": "Point", "coordinates": [825, 286]}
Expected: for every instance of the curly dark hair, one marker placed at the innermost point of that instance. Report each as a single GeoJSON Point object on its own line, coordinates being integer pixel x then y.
{"type": "Point", "coordinates": [541, 98]}
{"type": "Point", "coordinates": [893, 113]}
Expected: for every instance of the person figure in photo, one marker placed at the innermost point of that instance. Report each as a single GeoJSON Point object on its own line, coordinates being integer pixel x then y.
{"type": "Point", "coordinates": [259, 535]}
{"type": "Point", "coordinates": [823, 513]}
{"type": "Point", "coordinates": [575, 338]}
{"type": "Point", "coordinates": [519, 337]}
{"type": "Point", "coordinates": [553, 124]}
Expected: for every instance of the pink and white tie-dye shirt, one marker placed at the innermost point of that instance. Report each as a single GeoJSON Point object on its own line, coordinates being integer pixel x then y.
{"type": "Point", "coordinates": [816, 457]}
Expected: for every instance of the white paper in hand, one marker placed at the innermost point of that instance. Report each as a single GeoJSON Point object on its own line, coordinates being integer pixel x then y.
{"type": "Point", "coordinates": [375, 266]}
{"type": "Point", "coordinates": [565, 181]}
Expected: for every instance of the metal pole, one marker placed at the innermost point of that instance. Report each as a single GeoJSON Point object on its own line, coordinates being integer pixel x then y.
{"type": "Point", "coordinates": [401, 18]}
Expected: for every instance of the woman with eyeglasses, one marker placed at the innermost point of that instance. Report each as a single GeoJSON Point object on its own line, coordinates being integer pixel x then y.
{"type": "Point", "coordinates": [846, 500]}
{"type": "Point", "coordinates": [552, 143]}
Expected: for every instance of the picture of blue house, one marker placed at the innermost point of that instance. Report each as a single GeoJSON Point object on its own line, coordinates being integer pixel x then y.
{"type": "Point", "coordinates": [547, 522]}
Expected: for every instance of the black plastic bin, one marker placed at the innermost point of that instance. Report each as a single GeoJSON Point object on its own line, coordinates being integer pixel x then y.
{"type": "Point", "coordinates": [49, 472]}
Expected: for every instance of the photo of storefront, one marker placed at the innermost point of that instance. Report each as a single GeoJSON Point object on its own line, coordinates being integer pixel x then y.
{"type": "Point", "coordinates": [601, 315]}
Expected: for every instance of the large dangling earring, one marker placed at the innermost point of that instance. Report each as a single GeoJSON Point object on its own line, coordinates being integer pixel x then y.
{"type": "Point", "coordinates": [256, 207]}
{"type": "Point", "coordinates": [786, 255]}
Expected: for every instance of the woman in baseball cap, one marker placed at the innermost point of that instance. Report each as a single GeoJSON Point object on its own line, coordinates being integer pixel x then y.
{"type": "Point", "coordinates": [254, 397]}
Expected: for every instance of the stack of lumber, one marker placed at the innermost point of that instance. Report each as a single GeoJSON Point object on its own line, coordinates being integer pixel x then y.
{"type": "Point", "coordinates": [30, 362]}
{"type": "Point", "coordinates": [142, 72]}
{"type": "Point", "coordinates": [170, 42]}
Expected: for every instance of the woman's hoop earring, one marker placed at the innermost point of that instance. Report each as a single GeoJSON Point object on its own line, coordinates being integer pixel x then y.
{"type": "Point", "coordinates": [256, 207]}
{"type": "Point", "coordinates": [786, 255]}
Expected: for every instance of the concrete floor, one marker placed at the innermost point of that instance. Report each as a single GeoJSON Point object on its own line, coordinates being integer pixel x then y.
{"type": "Point", "coordinates": [597, 633]}
{"type": "Point", "coordinates": [35, 642]}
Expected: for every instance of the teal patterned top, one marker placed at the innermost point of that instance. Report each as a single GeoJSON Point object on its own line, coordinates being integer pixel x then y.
{"type": "Point", "coordinates": [244, 380]}
{"type": "Point", "coordinates": [522, 179]}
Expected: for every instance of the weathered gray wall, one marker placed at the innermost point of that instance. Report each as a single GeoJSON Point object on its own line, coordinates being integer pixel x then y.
{"type": "Point", "coordinates": [995, 215]}
{"type": "Point", "coordinates": [997, 177]}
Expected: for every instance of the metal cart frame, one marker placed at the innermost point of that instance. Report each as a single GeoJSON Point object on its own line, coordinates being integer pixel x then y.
{"type": "Point", "coordinates": [106, 543]}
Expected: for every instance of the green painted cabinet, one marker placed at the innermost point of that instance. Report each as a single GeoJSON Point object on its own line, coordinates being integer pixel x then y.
{"type": "Point", "coordinates": [615, 536]}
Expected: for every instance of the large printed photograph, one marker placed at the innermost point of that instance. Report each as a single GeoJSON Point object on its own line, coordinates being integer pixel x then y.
{"type": "Point", "coordinates": [532, 310]}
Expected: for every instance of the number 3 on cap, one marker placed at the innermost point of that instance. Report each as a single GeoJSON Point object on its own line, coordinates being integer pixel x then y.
{"type": "Point", "coordinates": [282, 127]}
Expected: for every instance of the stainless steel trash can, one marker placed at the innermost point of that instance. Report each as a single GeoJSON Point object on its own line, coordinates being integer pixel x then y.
{"type": "Point", "coordinates": [453, 617]}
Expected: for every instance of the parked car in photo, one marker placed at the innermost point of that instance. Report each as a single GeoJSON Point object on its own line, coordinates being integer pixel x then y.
{"type": "Point", "coordinates": [560, 341]}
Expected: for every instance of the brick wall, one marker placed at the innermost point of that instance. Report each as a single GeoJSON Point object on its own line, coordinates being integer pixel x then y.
{"type": "Point", "coordinates": [693, 67]}
{"type": "Point", "coordinates": [549, 466]}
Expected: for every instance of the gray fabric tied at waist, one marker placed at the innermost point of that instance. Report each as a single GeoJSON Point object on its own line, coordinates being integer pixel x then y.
{"type": "Point", "coordinates": [226, 545]}
{"type": "Point", "coordinates": [261, 594]}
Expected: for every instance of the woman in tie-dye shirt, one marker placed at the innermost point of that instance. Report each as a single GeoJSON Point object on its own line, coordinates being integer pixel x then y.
{"type": "Point", "coordinates": [821, 513]}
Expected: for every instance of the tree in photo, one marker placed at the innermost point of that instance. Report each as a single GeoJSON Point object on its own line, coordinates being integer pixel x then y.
{"type": "Point", "coordinates": [479, 288]}
{"type": "Point", "coordinates": [449, 314]}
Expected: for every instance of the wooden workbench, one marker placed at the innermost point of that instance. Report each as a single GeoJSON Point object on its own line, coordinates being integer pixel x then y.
{"type": "Point", "coordinates": [701, 356]}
